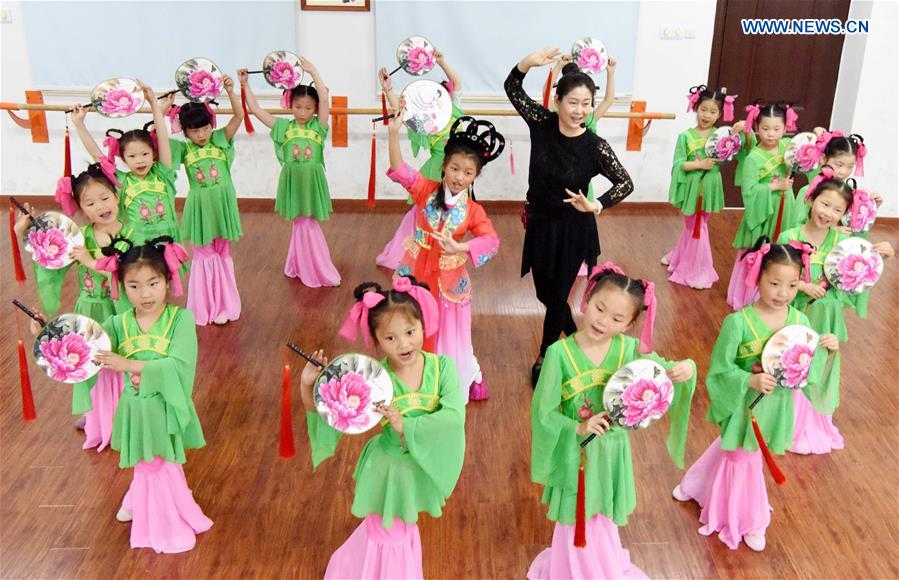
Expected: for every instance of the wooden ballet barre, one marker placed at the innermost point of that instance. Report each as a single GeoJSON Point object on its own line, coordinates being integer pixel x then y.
{"type": "Point", "coordinates": [348, 111]}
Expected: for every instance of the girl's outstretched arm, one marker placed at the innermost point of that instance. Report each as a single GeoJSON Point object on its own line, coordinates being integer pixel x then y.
{"type": "Point", "coordinates": [252, 104]}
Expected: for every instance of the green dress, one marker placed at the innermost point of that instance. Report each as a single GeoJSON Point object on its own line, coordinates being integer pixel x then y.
{"type": "Point", "coordinates": [210, 211]}
{"type": "Point", "coordinates": [148, 204]}
{"type": "Point", "coordinates": [827, 316]}
{"type": "Point", "coordinates": [753, 175]}
{"type": "Point", "coordinates": [739, 346]}
{"type": "Point", "coordinates": [158, 418]}
{"type": "Point", "coordinates": [685, 186]}
{"type": "Point", "coordinates": [302, 187]}
{"type": "Point", "coordinates": [398, 477]}
{"type": "Point", "coordinates": [568, 382]}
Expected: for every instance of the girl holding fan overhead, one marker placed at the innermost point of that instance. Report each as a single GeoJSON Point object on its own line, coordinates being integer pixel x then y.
{"type": "Point", "coordinates": [727, 481]}
{"type": "Point", "coordinates": [697, 190]}
{"type": "Point", "coordinates": [413, 464]}
{"type": "Point", "coordinates": [303, 195]}
{"type": "Point", "coordinates": [436, 253]}
{"type": "Point", "coordinates": [589, 491]}
{"type": "Point", "coordinates": [211, 220]}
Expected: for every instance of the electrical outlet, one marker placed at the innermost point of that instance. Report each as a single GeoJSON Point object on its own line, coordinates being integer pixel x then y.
{"type": "Point", "coordinates": [5, 15]}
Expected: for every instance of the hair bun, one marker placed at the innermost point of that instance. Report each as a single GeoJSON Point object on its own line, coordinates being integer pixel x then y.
{"type": "Point", "coordinates": [570, 68]}
{"type": "Point", "coordinates": [489, 143]}
{"type": "Point", "coordinates": [361, 289]}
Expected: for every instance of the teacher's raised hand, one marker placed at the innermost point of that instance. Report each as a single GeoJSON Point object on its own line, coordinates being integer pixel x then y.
{"type": "Point", "coordinates": [538, 58]}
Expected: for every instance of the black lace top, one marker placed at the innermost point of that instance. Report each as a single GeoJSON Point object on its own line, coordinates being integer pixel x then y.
{"type": "Point", "coordinates": [557, 234]}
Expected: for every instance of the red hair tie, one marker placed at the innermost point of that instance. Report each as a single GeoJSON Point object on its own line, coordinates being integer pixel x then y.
{"type": "Point", "coordinates": [596, 271]}
{"type": "Point", "coordinates": [175, 255]}
{"type": "Point", "coordinates": [792, 117]}
{"type": "Point", "coordinates": [860, 153]}
{"type": "Point", "coordinates": [729, 107]}
{"type": "Point", "coordinates": [807, 250]}
{"type": "Point", "coordinates": [752, 113]}
{"type": "Point", "coordinates": [649, 301]}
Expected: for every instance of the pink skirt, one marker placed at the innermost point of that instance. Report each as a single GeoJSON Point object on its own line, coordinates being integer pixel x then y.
{"type": "Point", "coordinates": [690, 262]}
{"type": "Point", "coordinates": [308, 257]}
{"type": "Point", "coordinates": [454, 341]}
{"type": "Point", "coordinates": [738, 295]}
{"type": "Point", "coordinates": [104, 398]}
{"type": "Point", "coordinates": [813, 433]}
{"type": "Point", "coordinates": [373, 551]}
{"type": "Point", "coordinates": [212, 290]}
{"type": "Point", "coordinates": [165, 516]}
{"type": "Point", "coordinates": [730, 488]}
{"type": "Point", "coordinates": [394, 250]}
{"type": "Point", "coordinates": [602, 558]}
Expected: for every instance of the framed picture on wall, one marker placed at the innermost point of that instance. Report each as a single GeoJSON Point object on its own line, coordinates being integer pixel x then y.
{"type": "Point", "coordinates": [357, 5]}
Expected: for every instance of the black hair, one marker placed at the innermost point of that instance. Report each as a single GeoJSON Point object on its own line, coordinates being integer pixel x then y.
{"type": "Point", "coordinates": [394, 302]}
{"type": "Point", "coordinates": [772, 110]}
{"type": "Point", "coordinates": [151, 254]}
{"type": "Point", "coordinates": [707, 94]}
{"type": "Point", "coordinates": [840, 145]}
{"type": "Point", "coordinates": [844, 188]}
{"type": "Point", "coordinates": [571, 78]}
{"type": "Point", "coordinates": [633, 287]}
{"type": "Point", "coordinates": [481, 146]}
{"type": "Point", "coordinates": [194, 115]}
{"type": "Point", "coordinates": [304, 91]}
{"type": "Point", "coordinates": [778, 254]}
{"type": "Point", "coordinates": [141, 135]}
{"type": "Point", "coordinates": [83, 179]}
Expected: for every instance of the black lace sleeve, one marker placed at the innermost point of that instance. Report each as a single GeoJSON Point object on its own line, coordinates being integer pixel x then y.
{"type": "Point", "coordinates": [529, 109]}
{"type": "Point", "coordinates": [614, 171]}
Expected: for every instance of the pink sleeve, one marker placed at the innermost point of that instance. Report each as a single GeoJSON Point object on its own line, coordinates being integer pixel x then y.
{"type": "Point", "coordinates": [415, 183]}
{"type": "Point", "coordinates": [481, 249]}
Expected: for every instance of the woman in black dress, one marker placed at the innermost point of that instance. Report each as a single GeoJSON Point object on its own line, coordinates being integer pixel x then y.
{"type": "Point", "coordinates": [561, 222]}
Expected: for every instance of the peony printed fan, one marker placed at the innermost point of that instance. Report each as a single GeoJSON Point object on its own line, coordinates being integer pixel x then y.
{"type": "Point", "coordinates": [50, 238]}
{"type": "Point", "coordinates": [788, 354]}
{"type": "Point", "coordinates": [415, 55]}
{"type": "Point", "coordinates": [427, 107]}
{"type": "Point", "coordinates": [117, 98]}
{"type": "Point", "coordinates": [199, 79]}
{"type": "Point", "coordinates": [853, 266]}
{"type": "Point", "coordinates": [722, 146]}
{"type": "Point", "coordinates": [801, 154]}
{"type": "Point", "coordinates": [590, 55]}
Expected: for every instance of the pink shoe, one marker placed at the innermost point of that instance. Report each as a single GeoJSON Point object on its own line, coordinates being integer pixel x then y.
{"type": "Point", "coordinates": [479, 391]}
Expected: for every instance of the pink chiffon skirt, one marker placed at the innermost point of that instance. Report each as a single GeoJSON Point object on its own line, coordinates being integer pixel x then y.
{"type": "Point", "coordinates": [308, 257]}
{"type": "Point", "coordinates": [373, 551]}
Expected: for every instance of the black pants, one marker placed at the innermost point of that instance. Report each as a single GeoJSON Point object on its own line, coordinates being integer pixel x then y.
{"type": "Point", "coordinates": [553, 292]}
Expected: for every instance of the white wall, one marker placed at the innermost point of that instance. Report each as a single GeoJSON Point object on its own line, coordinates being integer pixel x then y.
{"type": "Point", "coordinates": [342, 47]}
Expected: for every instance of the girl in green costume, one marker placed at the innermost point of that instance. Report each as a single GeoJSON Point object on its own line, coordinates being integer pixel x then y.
{"type": "Point", "coordinates": [211, 220]}
{"type": "Point", "coordinates": [303, 195]}
{"type": "Point", "coordinates": [814, 431]}
{"type": "Point", "coordinates": [155, 345]}
{"type": "Point", "coordinates": [99, 297]}
{"type": "Point", "coordinates": [727, 481]}
{"type": "Point", "coordinates": [567, 407]}
{"type": "Point", "coordinates": [414, 462]}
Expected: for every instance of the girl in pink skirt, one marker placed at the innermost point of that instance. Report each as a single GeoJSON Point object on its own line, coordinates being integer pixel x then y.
{"type": "Point", "coordinates": [727, 481]}
{"type": "Point", "coordinates": [155, 345]}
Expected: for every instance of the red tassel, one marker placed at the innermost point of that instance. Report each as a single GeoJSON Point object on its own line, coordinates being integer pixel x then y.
{"type": "Point", "coordinates": [697, 225]}
{"type": "Point", "coordinates": [286, 448]}
{"type": "Point", "coordinates": [384, 108]}
{"type": "Point", "coordinates": [580, 514]}
{"type": "Point", "coordinates": [67, 161]}
{"type": "Point", "coordinates": [776, 473]}
{"type": "Point", "coordinates": [780, 215]}
{"type": "Point", "coordinates": [247, 123]}
{"type": "Point", "coordinates": [547, 89]}
{"type": "Point", "coordinates": [28, 412]}
{"type": "Point", "coordinates": [14, 245]}
{"type": "Point", "coordinates": [371, 173]}
{"type": "Point", "coordinates": [511, 158]}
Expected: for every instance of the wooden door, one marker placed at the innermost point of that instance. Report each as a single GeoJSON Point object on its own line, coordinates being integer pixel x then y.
{"type": "Point", "coordinates": [796, 68]}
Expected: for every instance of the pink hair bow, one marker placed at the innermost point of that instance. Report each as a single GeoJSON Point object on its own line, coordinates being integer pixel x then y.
{"type": "Point", "coordinates": [112, 147]}
{"type": "Point", "coordinates": [752, 113]}
{"type": "Point", "coordinates": [753, 261]}
{"type": "Point", "coordinates": [591, 280]}
{"type": "Point", "coordinates": [792, 117]}
{"type": "Point", "coordinates": [691, 100]}
{"type": "Point", "coordinates": [729, 108]}
{"type": "Point", "coordinates": [860, 153]}
{"type": "Point", "coordinates": [107, 166]}
{"type": "Point", "coordinates": [824, 139]}
{"type": "Point", "coordinates": [64, 196]}
{"type": "Point", "coordinates": [175, 255]}
{"type": "Point", "coordinates": [174, 121]}
{"type": "Point", "coordinates": [285, 99]}
{"type": "Point", "coordinates": [825, 173]}
{"type": "Point", "coordinates": [807, 250]}
{"type": "Point", "coordinates": [110, 264]}
{"type": "Point", "coordinates": [357, 319]}
{"type": "Point", "coordinates": [649, 300]}
{"type": "Point", "coordinates": [426, 302]}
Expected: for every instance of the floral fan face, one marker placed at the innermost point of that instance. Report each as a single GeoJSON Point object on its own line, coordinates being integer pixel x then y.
{"type": "Point", "coordinates": [347, 390]}
{"type": "Point", "coordinates": [638, 394]}
{"type": "Point", "coordinates": [722, 146]}
{"type": "Point", "coordinates": [801, 153]}
{"type": "Point", "coordinates": [427, 107]}
{"type": "Point", "coordinates": [861, 215]}
{"type": "Point", "coordinates": [590, 55]}
{"type": "Point", "coordinates": [853, 266]}
{"type": "Point", "coordinates": [199, 80]}
{"type": "Point", "coordinates": [282, 70]}
{"type": "Point", "coordinates": [788, 354]}
{"type": "Point", "coordinates": [117, 98]}
{"type": "Point", "coordinates": [49, 239]}
{"type": "Point", "coordinates": [416, 56]}
{"type": "Point", "coordinates": [66, 347]}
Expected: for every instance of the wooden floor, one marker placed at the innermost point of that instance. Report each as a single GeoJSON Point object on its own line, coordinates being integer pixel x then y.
{"type": "Point", "coordinates": [836, 517]}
